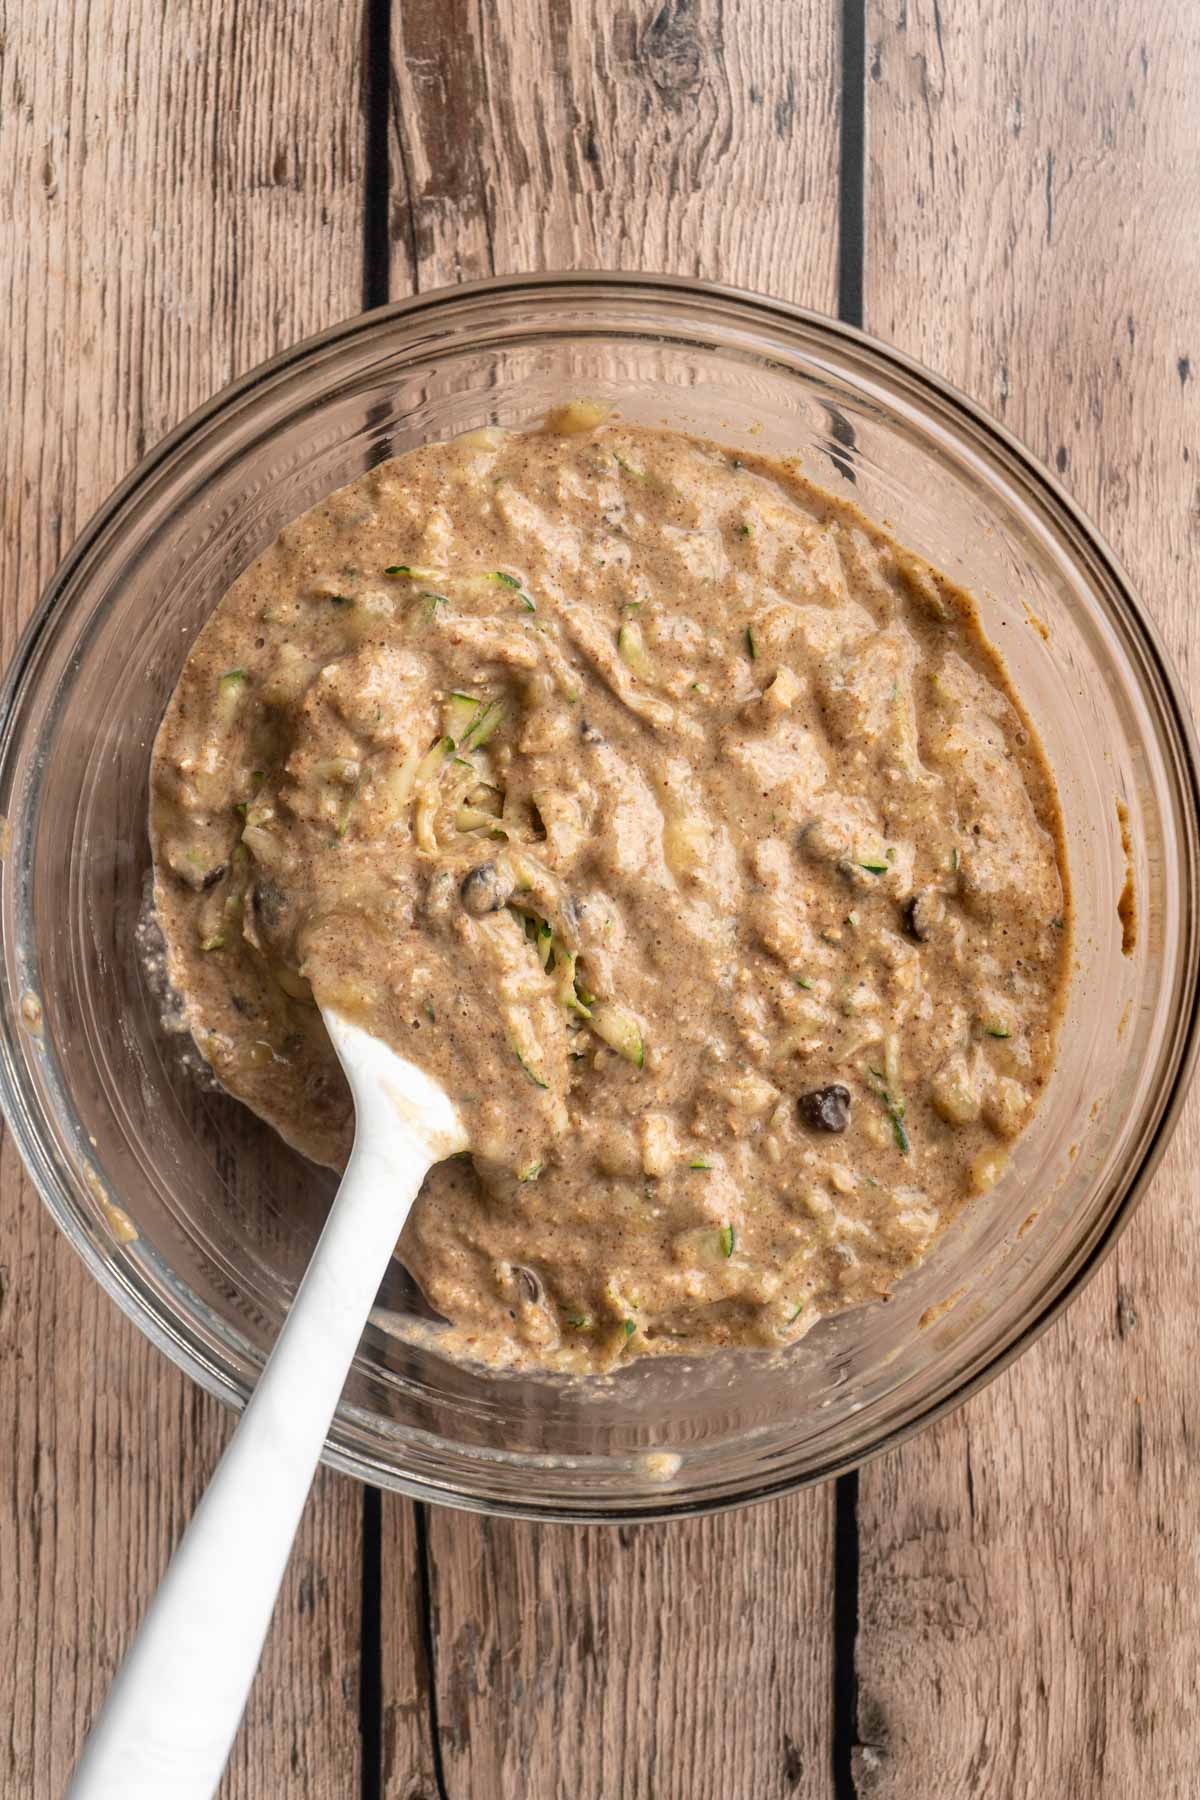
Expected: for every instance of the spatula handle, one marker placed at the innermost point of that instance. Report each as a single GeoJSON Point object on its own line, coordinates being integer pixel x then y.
{"type": "Point", "coordinates": [170, 1717]}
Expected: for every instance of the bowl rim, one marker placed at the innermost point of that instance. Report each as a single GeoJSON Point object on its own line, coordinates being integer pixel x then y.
{"type": "Point", "coordinates": [1172, 715]}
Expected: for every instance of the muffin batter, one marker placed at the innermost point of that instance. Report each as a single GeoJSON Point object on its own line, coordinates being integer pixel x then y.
{"type": "Point", "coordinates": [677, 820]}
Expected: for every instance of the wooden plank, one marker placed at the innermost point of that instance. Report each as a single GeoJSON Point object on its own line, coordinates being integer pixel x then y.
{"type": "Point", "coordinates": [181, 191]}
{"type": "Point", "coordinates": [598, 137]}
{"type": "Point", "coordinates": [1030, 1602]}
{"type": "Point", "coordinates": [688, 1661]}
{"type": "Point", "coordinates": [440, 211]}
{"type": "Point", "coordinates": [691, 1660]}
{"type": "Point", "coordinates": [407, 1760]}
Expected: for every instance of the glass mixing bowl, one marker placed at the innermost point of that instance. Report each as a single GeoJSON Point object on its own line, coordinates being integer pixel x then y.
{"type": "Point", "coordinates": [110, 1114]}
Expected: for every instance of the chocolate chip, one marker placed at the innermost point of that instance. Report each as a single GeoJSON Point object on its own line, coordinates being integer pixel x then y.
{"type": "Point", "coordinates": [528, 1283]}
{"type": "Point", "coordinates": [268, 902]}
{"type": "Point", "coordinates": [920, 915]}
{"type": "Point", "coordinates": [483, 890]}
{"type": "Point", "coordinates": [825, 1109]}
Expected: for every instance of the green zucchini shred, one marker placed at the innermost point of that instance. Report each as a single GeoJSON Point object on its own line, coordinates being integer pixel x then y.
{"type": "Point", "coordinates": [431, 763]}
{"type": "Point", "coordinates": [619, 1029]}
{"type": "Point", "coordinates": [469, 818]}
{"type": "Point", "coordinates": [536, 1079]}
{"type": "Point", "coordinates": [632, 648]}
{"type": "Point", "coordinates": [510, 581]}
{"type": "Point", "coordinates": [486, 723]}
{"type": "Point", "coordinates": [565, 963]}
{"type": "Point", "coordinates": [229, 690]}
{"type": "Point", "coordinates": [459, 714]}
{"type": "Point", "coordinates": [894, 1109]}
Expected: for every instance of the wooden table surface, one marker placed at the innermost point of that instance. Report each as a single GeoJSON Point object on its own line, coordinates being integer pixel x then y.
{"type": "Point", "coordinates": [1008, 1606]}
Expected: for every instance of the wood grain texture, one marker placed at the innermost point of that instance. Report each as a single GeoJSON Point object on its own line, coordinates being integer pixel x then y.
{"type": "Point", "coordinates": [408, 1761]}
{"type": "Point", "coordinates": [1032, 1562]}
{"type": "Point", "coordinates": [180, 191]}
{"type": "Point", "coordinates": [690, 1662]}
{"type": "Point", "coordinates": [695, 138]}
{"type": "Point", "coordinates": [687, 1661]}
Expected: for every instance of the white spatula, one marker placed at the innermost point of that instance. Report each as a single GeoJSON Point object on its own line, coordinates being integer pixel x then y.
{"type": "Point", "coordinates": [165, 1730]}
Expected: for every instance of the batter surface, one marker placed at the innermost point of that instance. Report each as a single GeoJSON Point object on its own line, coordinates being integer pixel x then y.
{"type": "Point", "coordinates": [678, 820]}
